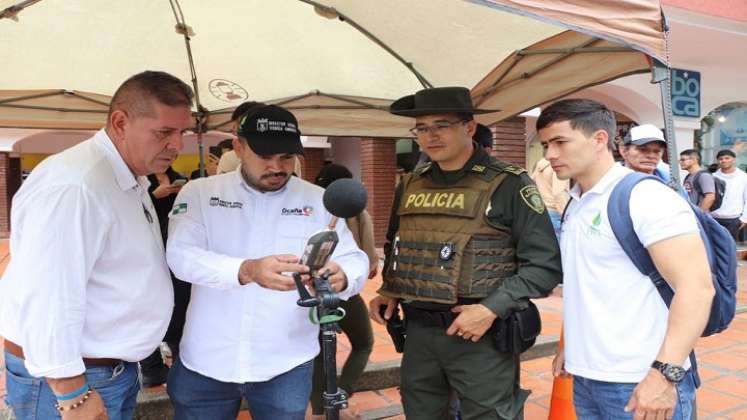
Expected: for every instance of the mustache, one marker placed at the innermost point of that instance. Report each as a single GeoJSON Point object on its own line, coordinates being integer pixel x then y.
{"type": "Point", "coordinates": [274, 174]}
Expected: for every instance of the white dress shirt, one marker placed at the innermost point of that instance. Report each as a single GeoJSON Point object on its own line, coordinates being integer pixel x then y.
{"type": "Point", "coordinates": [734, 203]}
{"type": "Point", "coordinates": [236, 333]}
{"type": "Point", "coordinates": [87, 275]}
{"type": "Point", "coordinates": [615, 320]}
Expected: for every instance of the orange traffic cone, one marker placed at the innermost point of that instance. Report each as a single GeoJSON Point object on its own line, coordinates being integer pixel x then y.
{"type": "Point", "coordinates": [561, 401]}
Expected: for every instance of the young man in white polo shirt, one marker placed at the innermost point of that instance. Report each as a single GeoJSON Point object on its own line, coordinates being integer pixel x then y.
{"type": "Point", "coordinates": [617, 327]}
{"type": "Point", "coordinates": [733, 211]}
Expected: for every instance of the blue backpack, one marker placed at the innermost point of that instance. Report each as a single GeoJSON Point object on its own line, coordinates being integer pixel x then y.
{"type": "Point", "coordinates": [719, 244]}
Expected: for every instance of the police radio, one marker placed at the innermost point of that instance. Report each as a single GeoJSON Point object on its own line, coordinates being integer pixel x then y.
{"type": "Point", "coordinates": [343, 198]}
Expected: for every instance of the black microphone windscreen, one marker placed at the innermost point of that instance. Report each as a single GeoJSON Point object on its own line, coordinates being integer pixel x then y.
{"type": "Point", "coordinates": [345, 198]}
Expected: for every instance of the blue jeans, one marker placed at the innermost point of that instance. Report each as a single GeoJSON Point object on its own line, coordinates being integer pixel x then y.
{"type": "Point", "coordinates": [199, 397]}
{"type": "Point", "coordinates": [606, 400]}
{"type": "Point", "coordinates": [30, 397]}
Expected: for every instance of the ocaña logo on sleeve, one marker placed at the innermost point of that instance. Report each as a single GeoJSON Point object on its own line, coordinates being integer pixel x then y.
{"type": "Point", "coordinates": [217, 202]}
{"type": "Point", "coordinates": [297, 211]}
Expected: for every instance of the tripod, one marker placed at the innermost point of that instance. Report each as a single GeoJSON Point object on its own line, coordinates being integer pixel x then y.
{"type": "Point", "coordinates": [326, 312]}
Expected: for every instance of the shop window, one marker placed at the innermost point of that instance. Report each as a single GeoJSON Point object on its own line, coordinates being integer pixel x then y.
{"type": "Point", "coordinates": [724, 128]}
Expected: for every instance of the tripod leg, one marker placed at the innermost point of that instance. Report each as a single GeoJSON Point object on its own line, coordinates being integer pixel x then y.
{"type": "Point", "coordinates": [334, 398]}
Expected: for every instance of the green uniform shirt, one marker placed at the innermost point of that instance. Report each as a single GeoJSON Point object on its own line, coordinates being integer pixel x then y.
{"type": "Point", "coordinates": [513, 206]}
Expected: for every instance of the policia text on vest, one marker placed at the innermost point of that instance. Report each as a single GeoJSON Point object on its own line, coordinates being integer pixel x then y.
{"type": "Point", "coordinates": [479, 235]}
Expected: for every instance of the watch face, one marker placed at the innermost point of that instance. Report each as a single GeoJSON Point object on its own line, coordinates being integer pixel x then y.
{"type": "Point", "coordinates": [673, 373]}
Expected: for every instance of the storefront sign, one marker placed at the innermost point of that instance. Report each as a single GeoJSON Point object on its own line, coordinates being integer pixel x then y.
{"type": "Point", "coordinates": [685, 93]}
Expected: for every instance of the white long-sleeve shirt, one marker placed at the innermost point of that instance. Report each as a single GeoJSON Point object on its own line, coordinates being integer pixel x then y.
{"type": "Point", "coordinates": [87, 275]}
{"type": "Point", "coordinates": [734, 203]}
{"type": "Point", "coordinates": [236, 333]}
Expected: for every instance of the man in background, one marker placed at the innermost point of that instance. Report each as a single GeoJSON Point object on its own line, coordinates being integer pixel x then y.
{"type": "Point", "coordinates": [732, 214]}
{"type": "Point", "coordinates": [699, 183]}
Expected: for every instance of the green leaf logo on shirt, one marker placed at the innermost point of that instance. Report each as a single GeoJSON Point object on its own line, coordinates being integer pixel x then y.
{"type": "Point", "coordinates": [596, 222]}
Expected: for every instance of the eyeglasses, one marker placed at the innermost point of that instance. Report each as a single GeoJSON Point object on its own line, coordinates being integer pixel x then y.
{"type": "Point", "coordinates": [436, 128]}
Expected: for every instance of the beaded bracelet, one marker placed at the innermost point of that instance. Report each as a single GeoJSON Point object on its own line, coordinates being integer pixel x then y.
{"type": "Point", "coordinates": [75, 405]}
{"type": "Point", "coordinates": [74, 394]}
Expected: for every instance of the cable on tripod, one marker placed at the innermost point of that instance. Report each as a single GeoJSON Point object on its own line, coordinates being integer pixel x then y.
{"type": "Point", "coordinates": [326, 319]}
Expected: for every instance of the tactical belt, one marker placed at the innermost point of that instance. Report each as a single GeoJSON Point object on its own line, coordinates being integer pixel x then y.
{"type": "Point", "coordinates": [441, 319]}
{"type": "Point", "coordinates": [433, 317]}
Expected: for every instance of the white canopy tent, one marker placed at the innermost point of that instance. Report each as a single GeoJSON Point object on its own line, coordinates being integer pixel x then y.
{"type": "Point", "coordinates": [337, 64]}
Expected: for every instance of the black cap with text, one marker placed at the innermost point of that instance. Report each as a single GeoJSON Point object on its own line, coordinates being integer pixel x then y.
{"type": "Point", "coordinates": [271, 130]}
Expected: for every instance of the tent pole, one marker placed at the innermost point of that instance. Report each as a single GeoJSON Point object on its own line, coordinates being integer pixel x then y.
{"type": "Point", "coordinates": [672, 153]}
{"type": "Point", "coordinates": [661, 73]}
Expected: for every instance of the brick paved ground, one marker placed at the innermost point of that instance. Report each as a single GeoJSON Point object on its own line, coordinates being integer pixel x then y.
{"type": "Point", "coordinates": [722, 359]}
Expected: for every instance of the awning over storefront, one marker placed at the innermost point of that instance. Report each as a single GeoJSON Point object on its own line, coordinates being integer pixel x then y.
{"type": "Point", "coordinates": [355, 57]}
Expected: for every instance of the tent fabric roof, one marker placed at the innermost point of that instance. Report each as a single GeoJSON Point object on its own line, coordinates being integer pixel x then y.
{"type": "Point", "coordinates": [264, 51]}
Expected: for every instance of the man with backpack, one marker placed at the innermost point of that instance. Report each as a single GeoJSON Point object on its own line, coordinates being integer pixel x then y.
{"type": "Point", "coordinates": [627, 352]}
{"type": "Point", "coordinates": [702, 188]}
{"type": "Point", "coordinates": [732, 214]}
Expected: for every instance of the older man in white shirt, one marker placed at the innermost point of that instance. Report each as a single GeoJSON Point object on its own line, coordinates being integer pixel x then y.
{"type": "Point", "coordinates": [237, 237]}
{"type": "Point", "coordinates": [87, 292]}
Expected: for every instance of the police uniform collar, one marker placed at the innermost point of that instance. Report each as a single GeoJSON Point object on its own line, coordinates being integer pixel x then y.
{"type": "Point", "coordinates": [476, 163]}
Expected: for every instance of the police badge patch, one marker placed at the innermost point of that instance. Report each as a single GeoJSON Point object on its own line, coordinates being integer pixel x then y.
{"type": "Point", "coordinates": [446, 251]}
{"type": "Point", "coordinates": [532, 198]}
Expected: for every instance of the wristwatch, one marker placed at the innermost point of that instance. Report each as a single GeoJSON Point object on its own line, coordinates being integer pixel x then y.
{"type": "Point", "coordinates": [672, 373]}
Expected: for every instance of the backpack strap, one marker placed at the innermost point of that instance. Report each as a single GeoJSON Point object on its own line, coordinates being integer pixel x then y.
{"type": "Point", "coordinates": [565, 210]}
{"type": "Point", "coordinates": [618, 213]}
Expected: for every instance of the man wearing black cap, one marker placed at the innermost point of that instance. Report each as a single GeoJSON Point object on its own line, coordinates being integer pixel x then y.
{"type": "Point", "coordinates": [469, 243]}
{"type": "Point", "coordinates": [732, 214]}
{"type": "Point", "coordinates": [237, 237]}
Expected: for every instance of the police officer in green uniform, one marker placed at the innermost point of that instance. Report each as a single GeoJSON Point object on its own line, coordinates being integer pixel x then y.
{"type": "Point", "coordinates": [469, 242]}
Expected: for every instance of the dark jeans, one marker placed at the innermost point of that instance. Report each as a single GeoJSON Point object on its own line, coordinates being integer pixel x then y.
{"type": "Point", "coordinates": [732, 225]}
{"type": "Point", "coordinates": [198, 397]}
{"type": "Point", "coordinates": [357, 326]}
{"type": "Point", "coordinates": [31, 398]}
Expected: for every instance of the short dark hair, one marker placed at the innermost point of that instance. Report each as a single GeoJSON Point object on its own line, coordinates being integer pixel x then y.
{"type": "Point", "coordinates": [483, 136]}
{"type": "Point", "coordinates": [226, 144]}
{"type": "Point", "coordinates": [244, 108]}
{"type": "Point", "coordinates": [136, 94]}
{"type": "Point", "coordinates": [725, 152]}
{"type": "Point", "coordinates": [692, 153]}
{"type": "Point", "coordinates": [583, 114]}
{"type": "Point", "coordinates": [330, 173]}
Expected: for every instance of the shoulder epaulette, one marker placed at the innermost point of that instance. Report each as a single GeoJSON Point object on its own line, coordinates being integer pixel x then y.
{"type": "Point", "coordinates": [507, 167]}
{"type": "Point", "coordinates": [420, 170]}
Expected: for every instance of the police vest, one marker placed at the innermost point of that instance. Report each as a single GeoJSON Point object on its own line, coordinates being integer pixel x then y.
{"type": "Point", "coordinates": [445, 248]}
